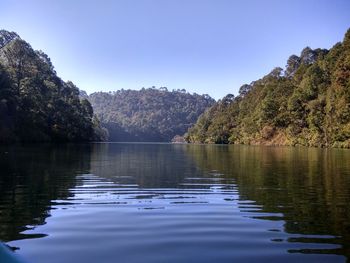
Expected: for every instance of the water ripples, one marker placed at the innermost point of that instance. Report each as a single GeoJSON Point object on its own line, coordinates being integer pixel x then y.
{"type": "Point", "coordinates": [202, 218]}
{"type": "Point", "coordinates": [171, 203]}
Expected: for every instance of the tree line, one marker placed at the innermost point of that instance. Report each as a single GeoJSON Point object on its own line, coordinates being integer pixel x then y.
{"type": "Point", "coordinates": [148, 114]}
{"type": "Point", "coordinates": [307, 103]}
{"type": "Point", "coordinates": [35, 104]}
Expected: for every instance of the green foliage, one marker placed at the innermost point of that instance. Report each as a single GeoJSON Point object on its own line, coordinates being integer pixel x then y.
{"type": "Point", "coordinates": [35, 104]}
{"type": "Point", "coordinates": [269, 109]}
{"type": "Point", "coordinates": [148, 114]}
{"type": "Point", "coordinates": [307, 104]}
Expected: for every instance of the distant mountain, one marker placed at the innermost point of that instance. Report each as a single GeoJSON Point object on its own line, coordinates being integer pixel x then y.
{"type": "Point", "coordinates": [308, 104]}
{"type": "Point", "coordinates": [35, 104]}
{"type": "Point", "coordinates": [148, 114]}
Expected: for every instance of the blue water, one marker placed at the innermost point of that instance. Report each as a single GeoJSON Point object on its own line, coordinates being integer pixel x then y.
{"type": "Point", "coordinates": [175, 203]}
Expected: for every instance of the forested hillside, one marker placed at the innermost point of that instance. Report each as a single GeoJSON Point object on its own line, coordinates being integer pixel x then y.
{"type": "Point", "coordinates": [308, 104]}
{"type": "Point", "coordinates": [148, 114]}
{"type": "Point", "coordinates": [35, 104]}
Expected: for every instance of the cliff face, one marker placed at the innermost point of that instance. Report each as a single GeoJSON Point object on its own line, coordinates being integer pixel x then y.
{"type": "Point", "coordinates": [308, 104]}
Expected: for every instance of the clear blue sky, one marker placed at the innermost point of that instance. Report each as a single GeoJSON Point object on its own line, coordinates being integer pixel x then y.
{"type": "Point", "coordinates": [203, 46]}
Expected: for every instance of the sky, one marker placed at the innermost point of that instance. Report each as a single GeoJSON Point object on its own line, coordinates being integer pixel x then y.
{"type": "Point", "coordinates": [204, 46]}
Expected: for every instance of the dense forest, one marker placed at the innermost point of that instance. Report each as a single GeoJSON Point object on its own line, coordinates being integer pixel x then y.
{"type": "Point", "coordinates": [148, 114]}
{"type": "Point", "coordinates": [35, 104]}
{"type": "Point", "coordinates": [307, 104]}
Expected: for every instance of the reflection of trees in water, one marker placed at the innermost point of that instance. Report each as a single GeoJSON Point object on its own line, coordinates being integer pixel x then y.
{"type": "Point", "coordinates": [31, 177]}
{"type": "Point", "coordinates": [311, 187]}
{"type": "Point", "coordinates": [147, 165]}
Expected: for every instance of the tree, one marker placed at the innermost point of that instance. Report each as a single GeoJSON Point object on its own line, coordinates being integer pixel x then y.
{"type": "Point", "coordinates": [309, 104]}
{"type": "Point", "coordinates": [35, 104]}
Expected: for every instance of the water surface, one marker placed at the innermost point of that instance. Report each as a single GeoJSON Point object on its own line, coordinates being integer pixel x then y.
{"type": "Point", "coordinates": [175, 203]}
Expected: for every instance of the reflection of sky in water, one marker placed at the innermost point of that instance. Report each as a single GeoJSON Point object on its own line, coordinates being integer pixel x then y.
{"type": "Point", "coordinates": [203, 213]}
{"type": "Point", "coordinates": [190, 204]}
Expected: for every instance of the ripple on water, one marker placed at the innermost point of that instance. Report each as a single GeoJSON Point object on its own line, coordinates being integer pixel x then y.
{"type": "Point", "coordinates": [204, 217]}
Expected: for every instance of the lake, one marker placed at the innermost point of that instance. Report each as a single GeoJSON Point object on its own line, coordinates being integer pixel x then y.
{"type": "Point", "coordinates": [119, 202]}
